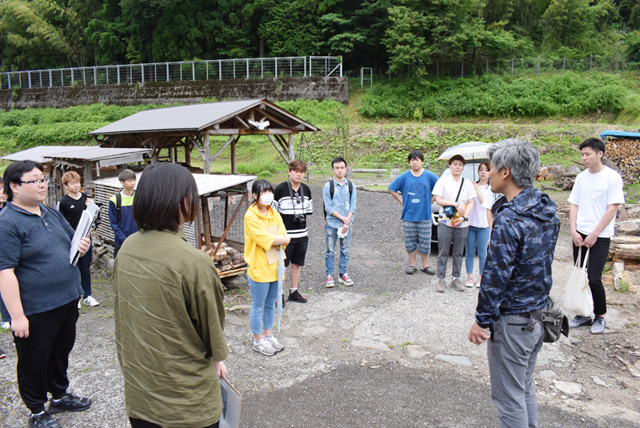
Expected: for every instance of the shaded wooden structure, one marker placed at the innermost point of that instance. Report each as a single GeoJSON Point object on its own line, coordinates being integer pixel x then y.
{"type": "Point", "coordinates": [166, 131]}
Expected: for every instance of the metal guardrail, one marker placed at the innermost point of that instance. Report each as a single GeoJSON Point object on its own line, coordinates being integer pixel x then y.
{"type": "Point", "coordinates": [247, 68]}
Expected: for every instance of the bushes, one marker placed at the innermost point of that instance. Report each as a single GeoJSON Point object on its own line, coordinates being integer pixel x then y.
{"type": "Point", "coordinates": [496, 96]}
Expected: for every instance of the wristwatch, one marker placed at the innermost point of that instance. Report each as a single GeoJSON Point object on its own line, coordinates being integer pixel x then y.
{"type": "Point", "coordinates": [465, 218]}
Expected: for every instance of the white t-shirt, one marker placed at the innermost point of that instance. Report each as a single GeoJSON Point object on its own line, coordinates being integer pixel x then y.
{"type": "Point", "coordinates": [593, 193]}
{"type": "Point", "coordinates": [447, 188]}
{"type": "Point", "coordinates": [478, 215]}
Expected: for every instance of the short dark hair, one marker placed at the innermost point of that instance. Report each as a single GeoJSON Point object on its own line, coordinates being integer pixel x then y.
{"type": "Point", "coordinates": [297, 165]}
{"type": "Point", "coordinates": [338, 160]}
{"type": "Point", "coordinates": [415, 154]}
{"type": "Point", "coordinates": [166, 193]}
{"type": "Point", "coordinates": [594, 143]}
{"type": "Point", "coordinates": [126, 175]}
{"type": "Point", "coordinates": [458, 158]}
{"type": "Point", "coordinates": [260, 186]}
{"type": "Point", "coordinates": [14, 172]}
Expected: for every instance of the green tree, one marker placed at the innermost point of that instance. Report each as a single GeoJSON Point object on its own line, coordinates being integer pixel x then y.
{"type": "Point", "coordinates": [27, 37]}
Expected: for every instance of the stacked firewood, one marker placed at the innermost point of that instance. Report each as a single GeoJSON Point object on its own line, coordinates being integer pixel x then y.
{"type": "Point", "coordinates": [625, 153]}
{"type": "Point", "coordinates": [227, 259]}
{"type": "Point", "coordinates": [625, 245]}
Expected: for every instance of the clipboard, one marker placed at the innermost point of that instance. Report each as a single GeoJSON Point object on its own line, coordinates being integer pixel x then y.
{"type": "Point", "coordinates": [83, 229]}
{"type": "Point", "coordinates": [231, 404]}
{"type": "Point", "coordinates": [273, 254]}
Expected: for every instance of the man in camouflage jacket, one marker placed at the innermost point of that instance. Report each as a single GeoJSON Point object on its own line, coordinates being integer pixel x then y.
{"type": "Point", "coordinates": [516, 280]}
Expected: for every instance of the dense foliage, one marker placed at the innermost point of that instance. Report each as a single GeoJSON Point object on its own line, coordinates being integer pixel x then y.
{"type": "Point", "coordinates": [404, 36]}
{"type": "Point", "coordinates": [567, 95]}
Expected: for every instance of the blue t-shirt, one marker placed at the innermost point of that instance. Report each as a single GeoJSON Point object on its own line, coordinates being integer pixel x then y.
{"type": "Point", "coordinates": [416, 194]}
{"type": "Point", "coordinates": [37, 248]}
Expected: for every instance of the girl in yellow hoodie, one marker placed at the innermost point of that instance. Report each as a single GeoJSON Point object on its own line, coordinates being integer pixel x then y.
{"type": "Point", "coordinates": [263, 230]}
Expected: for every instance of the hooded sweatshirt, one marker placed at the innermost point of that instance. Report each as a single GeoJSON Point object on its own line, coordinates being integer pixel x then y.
{"type": "Point", "coordinates": [517, 273]}
{"type": "Point", "coordinates": [257, 241]}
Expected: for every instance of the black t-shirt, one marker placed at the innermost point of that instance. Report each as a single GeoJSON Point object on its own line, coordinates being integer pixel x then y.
{"type": "Point", "coordinates": [289, 207]}
{"type": "Point", "coordinates": [72, 209]}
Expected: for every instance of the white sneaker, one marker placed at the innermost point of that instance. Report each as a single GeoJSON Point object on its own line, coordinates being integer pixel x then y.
{"type": "Point", "coordinates": [6, 325]}
{"type": "Point", "coordinates": [329, 283]}
{"type": "Point", "coordinates": [264, 347]}
{"type": "Point", "coordinates": [90, 301]}
{"type": "Point", "coordinates": [345, 279]}
{"type": "Point", "coordinates": [274, 342]}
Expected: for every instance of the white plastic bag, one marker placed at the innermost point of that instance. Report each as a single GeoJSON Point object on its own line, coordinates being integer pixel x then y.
{"type": "Point", "coordinates": [577, 296]}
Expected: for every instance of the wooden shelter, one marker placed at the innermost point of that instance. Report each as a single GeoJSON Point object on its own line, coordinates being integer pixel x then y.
{"type": "Point", "coordinates": [165, 131]}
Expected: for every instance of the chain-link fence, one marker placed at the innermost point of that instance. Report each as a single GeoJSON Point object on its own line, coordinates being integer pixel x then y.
{"type": "Point", "coordinates": [247, 68]}
{"type": "Point", "coordinates": [531, 65]}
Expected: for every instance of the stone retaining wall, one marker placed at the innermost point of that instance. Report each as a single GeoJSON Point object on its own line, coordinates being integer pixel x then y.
{"type": "Point", "coordinates": [316, 88]}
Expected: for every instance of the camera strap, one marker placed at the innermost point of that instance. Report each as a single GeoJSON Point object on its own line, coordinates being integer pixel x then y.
{"type": "Point", "coordinates": [293, 201]}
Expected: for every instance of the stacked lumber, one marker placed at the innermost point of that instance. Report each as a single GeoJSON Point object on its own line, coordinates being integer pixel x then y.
{"type": "Point", "coordinates": [625, 153]}
{"type": "Point", "coordinates": [228, 260]}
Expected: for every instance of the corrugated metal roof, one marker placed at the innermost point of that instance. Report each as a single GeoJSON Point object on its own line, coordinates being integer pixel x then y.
{"type": "Point", "coordinates": [207, 183]}
{"type": "Point", "coordinates": [620, 134]}
{"type": "Point", "coordinates": [192, 118]}
{"type": "Point", "coordinates": [85, 153]}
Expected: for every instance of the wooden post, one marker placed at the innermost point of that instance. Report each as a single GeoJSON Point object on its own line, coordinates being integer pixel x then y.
{"type": "Point", "coordinates": [292, 153]}
{"type": "Point", "coordinates": [206, 221]}
{"type": "Point", "coordinates": [87, 173]}
{"type": "Point", "coordinates": [233, 154]}
{"type": "Point", "coordinates": [206, 156]}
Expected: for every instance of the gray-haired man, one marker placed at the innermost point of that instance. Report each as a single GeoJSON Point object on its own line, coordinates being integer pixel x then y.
{"type": "Point", "coordinates": [516, 281]}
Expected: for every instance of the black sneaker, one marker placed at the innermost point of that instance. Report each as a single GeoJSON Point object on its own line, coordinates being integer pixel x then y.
{"type": "Point", "coordinates": [284, 302]}
{"type": "Point", "coordinates": [297, 297]}
{"type": "Point", "coordinates": [70, 403]}
{"type": "Point", "coordinates": [43, 420]}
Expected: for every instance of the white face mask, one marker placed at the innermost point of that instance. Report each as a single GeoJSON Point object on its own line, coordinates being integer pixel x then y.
{"type": "Point", "coordinates": [266, 198]}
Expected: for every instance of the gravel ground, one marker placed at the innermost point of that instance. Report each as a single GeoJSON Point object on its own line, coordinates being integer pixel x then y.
{"type": "Point", "coordinates": [376, 352]}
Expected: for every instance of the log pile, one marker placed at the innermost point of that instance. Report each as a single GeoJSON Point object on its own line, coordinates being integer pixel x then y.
{"type": "Point", "coordinates": [228, 260]}
{"type": "Point", "coordinates": [625, 245]}
{"type": "Point", "coordinates": [625, 153]}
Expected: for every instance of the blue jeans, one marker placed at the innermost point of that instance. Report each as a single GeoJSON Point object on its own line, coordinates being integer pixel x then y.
{"type": "Point", "coordinates": [263, 305]}
{"type": "Point", "coordinates": [84, 264]}
{"type": "Point", "coordinates": [331, 236]}
{"type": "Point", "coordinates": [477, 236]}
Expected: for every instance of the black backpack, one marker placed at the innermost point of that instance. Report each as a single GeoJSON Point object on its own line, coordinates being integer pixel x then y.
{"type": "Point", "coordinates": [332, 190]}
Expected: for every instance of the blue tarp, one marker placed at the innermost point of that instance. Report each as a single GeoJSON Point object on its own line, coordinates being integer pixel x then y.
{"type": "Point", "coordinates": [620, 134]}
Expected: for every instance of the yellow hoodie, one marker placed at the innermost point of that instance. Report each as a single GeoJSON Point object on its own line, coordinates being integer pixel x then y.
{"type": "Point", "coordinates": [257, 241]}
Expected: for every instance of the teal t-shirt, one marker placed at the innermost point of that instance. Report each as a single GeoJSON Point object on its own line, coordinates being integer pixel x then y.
{"type": "Point", "coordinates": [416, 194]}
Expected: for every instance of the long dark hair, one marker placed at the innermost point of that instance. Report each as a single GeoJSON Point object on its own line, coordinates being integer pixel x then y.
{"type": "Point", "coordinates": [486, 164]}
{"type": "Point", "coordinates": [166, 194]}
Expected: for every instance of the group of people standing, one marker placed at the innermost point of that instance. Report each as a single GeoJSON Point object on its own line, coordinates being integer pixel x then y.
{"type": "Point", "coordinates": [463, 221]}
{"type": "Point", "coordinates": [169, 316]}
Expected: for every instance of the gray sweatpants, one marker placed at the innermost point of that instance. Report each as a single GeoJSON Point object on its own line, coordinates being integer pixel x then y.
{"type": "Point", "coordinates": [512, 352]}
{"type": "Point", "coordinates": [454, 238]}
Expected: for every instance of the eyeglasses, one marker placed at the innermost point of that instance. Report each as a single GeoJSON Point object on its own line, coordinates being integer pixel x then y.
{"type": "Point", "coordinates": [38, 181]}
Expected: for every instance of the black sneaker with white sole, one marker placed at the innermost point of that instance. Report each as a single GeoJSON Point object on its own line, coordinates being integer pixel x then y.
{"type": "Point", "coordinates": [43, 420]}
{"type": "Point", "coordinates": [69, 403]}
{"type": "Point", "coordinates": [297, 297]}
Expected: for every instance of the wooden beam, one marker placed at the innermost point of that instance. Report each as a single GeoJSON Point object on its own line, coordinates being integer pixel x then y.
{"type": "Point", "coordinates": [219, 152]}
{"type": "Point", "coordinates": [292, 153]}
{"type": "Point", "coordinates": [282, 142]}
{"type": "Point", "coordinates": [228, 226]}
{"type": "Point", "coordinates": [206, 148]}
{"type": "Point", "coordinates": [206, 221]}
{"type": "Point", "coordinates": [278, 149]}
{"type": "Point", "coordinates": [233, 154]}
{"type": "Point", "coordinates": [242, 122]}
{"type": "Point", "coordinates": [238, 131]}
{"type": "Point", "coordinates": [275, 120]}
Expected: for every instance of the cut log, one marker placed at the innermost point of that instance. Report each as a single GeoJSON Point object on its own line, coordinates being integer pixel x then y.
{"type": "Point", "coordinates": [238, 258]}
{"type": "Point", "coordinates": [617, 270]}
{"type": "Point", "coordinates": [626, 252]}
{"type": "Point", "coordinates": [226, 268]}
{"type": "Point", "coordinates": [220, 255]}
{"type": "Point", "coordinates": [629, 227]}
{"type": "Point", "coordinates": [625, 239]}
